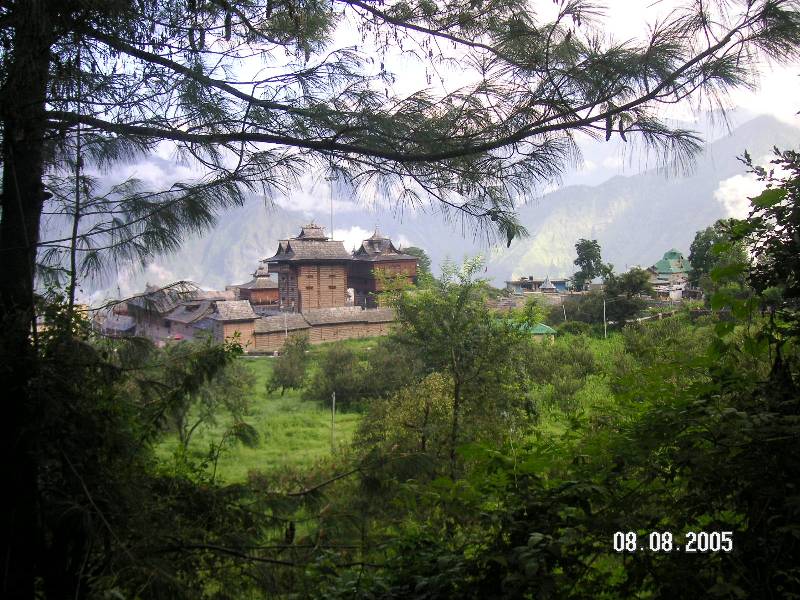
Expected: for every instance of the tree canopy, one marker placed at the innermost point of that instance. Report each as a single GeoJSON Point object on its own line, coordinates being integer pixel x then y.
{"type": "Point", "coordinates": [589, 262]}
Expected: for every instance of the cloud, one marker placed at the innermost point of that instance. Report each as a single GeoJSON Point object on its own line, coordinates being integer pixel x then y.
{"type": "Point", "coordinates": [402, 241]}
{"type": "Point", "coordinates": [352, 237]}
{"type": "Point", "coordinates": [735, 192]}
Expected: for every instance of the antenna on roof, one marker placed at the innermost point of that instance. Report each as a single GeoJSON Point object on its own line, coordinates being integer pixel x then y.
{"type": "Point", "coordinates": [330, 181]}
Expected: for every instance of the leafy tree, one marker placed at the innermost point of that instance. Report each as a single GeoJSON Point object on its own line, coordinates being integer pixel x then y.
{"type": "Point", "coordinates": [773, 230]}
{"type": "Point", "coordinates": [424, 274]}
{"type": "Point", "coordinates": [712, 248]}
{"type": "Point", "coordinates": [289, 369]}
{"type": "Point", "coordinates": [341, 370]}
{"type": "Point", "coordinates": [632, 283]}
{"type": "Point", "coordinates": [589, 308]}
{"type": "Point", "coordinates": [227, 391]}
{"type": "Point", "coordinates": [590, 263]}
{"type": "Point", "coordinates": [452, 331]}
{"type": "Point", "coordinates": [531, 313]}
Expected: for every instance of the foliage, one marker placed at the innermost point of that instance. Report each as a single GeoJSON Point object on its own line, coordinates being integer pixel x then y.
{"type": "Point", "coordinates": [632, 283]}
{"type": "Point", "coordinates": [424, 274]}
{"type": "Point", "coordinates": [226, 390]}
{"type": "Point", "coordinates": [588, 308]}
{"type": "Point", "coordinates": [413, 419]}
{"type": "Point", "coordinates": [531, 313]}
{"type": "Point", "coordinates": [773, 230]}
{"type": "Point", "coordinates": [589, 262]}
{"type": "Point", "coordinates": [341, 370]}
{"type": "Point", "coordinates": [450, 328]}
{"type": "Point", "coordinates": [290, 366]}
{"type": "Point", "coordinates": [711, 249]}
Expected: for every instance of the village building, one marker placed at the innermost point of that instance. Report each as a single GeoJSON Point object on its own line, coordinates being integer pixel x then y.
{"type": "Point", "coordinates": [261, 291]}
{"type": "Point", "coordinates": [669, 276]}
{"type": "Point", "coordinates": [374, 263]}
{"type": "Point", "coordinates": [311, 269]}
{"type": "Point", "coordinates": [234, 321]}
{"type": "Point", "coordinates": [309, 297]}
{"type": "Point", "coordinates": [530, 284]}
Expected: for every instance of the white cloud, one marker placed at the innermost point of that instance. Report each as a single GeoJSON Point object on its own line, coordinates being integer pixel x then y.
{"type": "Point", "coordinates": [613, 162]}
{"type": "Point", "coordinates": [735, 192]}
{"type": "Point", "coordinates": [352, 237]}
{"type": "Point", "coordinates": [402, 241]}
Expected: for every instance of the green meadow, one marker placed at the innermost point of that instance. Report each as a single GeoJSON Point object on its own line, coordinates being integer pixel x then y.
{"type": "Point", "coordinates": [293, 433]}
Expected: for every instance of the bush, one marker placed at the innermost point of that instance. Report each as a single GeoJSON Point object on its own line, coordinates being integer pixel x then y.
{"type": "Point", "coordinates": [339, 370]}
{"type": "Point", "coordinates": [290, 367]}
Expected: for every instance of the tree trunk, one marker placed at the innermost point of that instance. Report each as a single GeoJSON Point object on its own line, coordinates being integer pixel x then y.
{"type": "Point", "coordinates": [454, 429]}
{"type": "Point", "coordinates": [22, 109]}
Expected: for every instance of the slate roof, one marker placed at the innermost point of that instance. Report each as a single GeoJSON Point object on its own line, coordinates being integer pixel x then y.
{"type": "Point", "coordinates": [119, 323]}
{"type": "Point", "coordinates": [310, 244]}
{"type": "Point", "coordinates": [161, 300]}
{"type": "Point", "coordinates": [234, 310]}
{"type": "Point", "coordinates": [379, 247]}
{"type": "Point", "coordinates": [293, 322]}
{"type": "Point", "coordinates": [259, 283]}
{"type": "Point", "coordinates": [189, 312]}
{"type": "Point", "coordinates": [378, 315]}
{"type": "Point", "coordinates": [339, 314]}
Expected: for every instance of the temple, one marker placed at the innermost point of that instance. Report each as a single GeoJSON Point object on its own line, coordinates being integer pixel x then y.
{"type": "Point", "coordinates": [311, 269]}
{"type": "Point", "coordinates": [315, 271]}
{"type": "Point", "coordinates": [376, 261]}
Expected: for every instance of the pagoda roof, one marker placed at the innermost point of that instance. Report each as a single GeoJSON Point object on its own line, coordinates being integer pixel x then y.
{"type": "Point", "coordinates": [310, 245]}
{"type": "Point", "coordinates": [379, 247]}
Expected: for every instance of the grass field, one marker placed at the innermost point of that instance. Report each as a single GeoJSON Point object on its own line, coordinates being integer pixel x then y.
{"type": "Point", "coordinates": [293, 432]}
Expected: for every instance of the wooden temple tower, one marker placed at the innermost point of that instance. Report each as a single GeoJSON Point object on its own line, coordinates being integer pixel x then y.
{"type": "Point", "coordinates": [377, 255]}
{"type": "Point", "coordinates": [312, 270]}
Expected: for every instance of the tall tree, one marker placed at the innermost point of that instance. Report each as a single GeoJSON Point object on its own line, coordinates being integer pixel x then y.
{"type": "Point", "coordinates": [590, 263]}
{"type": "Point", "coordinates": [712, 248]}
{"type": "Point", "coordinates": [104, 79]}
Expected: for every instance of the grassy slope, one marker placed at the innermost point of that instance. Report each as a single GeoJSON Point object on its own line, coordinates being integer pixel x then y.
{"type": "Point", "coordinates": [293, 432]}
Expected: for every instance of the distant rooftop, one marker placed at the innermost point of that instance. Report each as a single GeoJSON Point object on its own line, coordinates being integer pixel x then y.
{"type": "Point", "coordinates": [379, 247]}
{"type": "Point", "coordinates": [234, 310]}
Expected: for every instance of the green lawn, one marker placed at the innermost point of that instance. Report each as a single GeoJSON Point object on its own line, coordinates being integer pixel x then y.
{"type": "Point", "coordinates": [293, 432]}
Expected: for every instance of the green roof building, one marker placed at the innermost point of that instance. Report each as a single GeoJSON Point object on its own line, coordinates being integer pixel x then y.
{"type": "Point", "coordinates": [672, 267]}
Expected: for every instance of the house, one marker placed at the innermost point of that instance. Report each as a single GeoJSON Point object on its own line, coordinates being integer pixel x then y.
{"type": "Point", "coordinates": [311, 269]}
{"type": "Point", "coordinates": [374, 261]}
{"type": "Point", "coordinates": [182, 320]}
{"type": "Point", "coordinates": [234, 320]}
{"type": "Point", "coordinates": [670, 275]}
{"type": "Point", "coordinates": [531, 284]}
{"type": "Point", "coordinates": [261, 291]}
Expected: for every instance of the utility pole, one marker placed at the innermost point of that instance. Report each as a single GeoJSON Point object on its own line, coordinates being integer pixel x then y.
{"type": "Point", "coordinates": [333, 421]}
{"type": "Point", "coordinates": [605, 325]}
{"type": "Point", "coordinates": [564, 308]}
